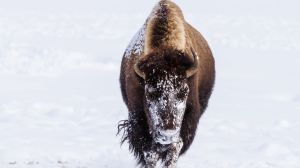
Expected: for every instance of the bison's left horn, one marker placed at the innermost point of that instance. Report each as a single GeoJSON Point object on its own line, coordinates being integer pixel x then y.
{"type": "Point", "coordinates": [194, 68]}
{"type": "Point", "coordinates": [138, 71]}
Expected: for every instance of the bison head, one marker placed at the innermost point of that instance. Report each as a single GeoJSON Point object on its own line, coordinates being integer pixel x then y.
{"type": "Point", "coordinates": [165, 76]}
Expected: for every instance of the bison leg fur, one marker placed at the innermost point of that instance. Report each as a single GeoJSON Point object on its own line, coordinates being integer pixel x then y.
{"type": "Point", "coordinates": [151, 159]}
{"type": "Point", "coordinates": [173, 154]}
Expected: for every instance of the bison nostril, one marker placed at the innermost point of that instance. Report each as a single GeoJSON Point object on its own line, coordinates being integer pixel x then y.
{"type": "Point", "coordinates": [169, 126]}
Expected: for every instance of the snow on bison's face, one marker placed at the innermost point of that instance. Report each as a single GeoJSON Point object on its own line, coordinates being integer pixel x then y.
{"type": "Point", "coordinates": [165, 102]}
{"type": "Point", "coordinates": [166, 91]}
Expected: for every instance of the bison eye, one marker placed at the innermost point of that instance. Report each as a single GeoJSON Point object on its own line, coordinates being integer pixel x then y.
{"type": "Point", "coordinates": [181, 95]}
{"type": "Point", "coordinates": [153, 95]}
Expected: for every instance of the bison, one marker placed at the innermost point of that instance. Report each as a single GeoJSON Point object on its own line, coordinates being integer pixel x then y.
{"type": "Point", "coordinates": [167, 76]}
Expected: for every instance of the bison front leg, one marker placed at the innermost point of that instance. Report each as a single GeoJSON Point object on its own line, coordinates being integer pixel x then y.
{"type": "Point", "coordinates": [151, 159]}
{"type": "Point", "coordinates": [173, 154]}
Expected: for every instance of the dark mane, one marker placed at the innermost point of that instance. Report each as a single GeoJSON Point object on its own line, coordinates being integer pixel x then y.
{"type": "Point", "coordinates": [134, 132]}
{"type": "Point", "coordinates": [166, 59]}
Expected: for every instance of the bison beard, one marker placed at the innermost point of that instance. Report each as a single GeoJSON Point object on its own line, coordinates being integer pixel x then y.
{"type": "Point", "coordinates": [167, 76]}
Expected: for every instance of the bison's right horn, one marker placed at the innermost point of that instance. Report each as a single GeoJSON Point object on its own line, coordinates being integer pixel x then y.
{"type": "Point", "coordinates": [194, 68]}
{"type": "Point", "coordinates": [138, 71]}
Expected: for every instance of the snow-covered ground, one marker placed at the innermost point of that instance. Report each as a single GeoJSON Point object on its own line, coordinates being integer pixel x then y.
{"type": "Point", "coordinates": [59, 91]}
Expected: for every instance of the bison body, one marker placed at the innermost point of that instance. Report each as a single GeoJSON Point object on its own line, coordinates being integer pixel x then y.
{"type": "Point", "coordinates": [167, 75]}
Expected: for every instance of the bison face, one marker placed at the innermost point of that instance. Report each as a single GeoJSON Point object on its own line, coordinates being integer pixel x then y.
{"type": "Point", "coordinates": [165, 76]}
{"type": "Point", "coordinates": [165, 103]}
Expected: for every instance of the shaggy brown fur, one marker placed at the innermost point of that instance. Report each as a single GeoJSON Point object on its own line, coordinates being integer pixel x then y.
{"type": "Point", "coordinates": [165, 49]}
{"type": "Point", "coordinates": [165, 28]}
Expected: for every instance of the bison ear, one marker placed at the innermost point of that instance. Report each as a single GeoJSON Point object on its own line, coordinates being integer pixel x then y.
{"type": "Point", "coordinates": [138, 68]}
{"type": "Point", "coordinates": [194, 65]}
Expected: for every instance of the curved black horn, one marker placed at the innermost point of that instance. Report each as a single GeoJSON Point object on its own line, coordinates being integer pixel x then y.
{"type": "Point", "coordinates": [194, 68]}
{"type": "Point", "coordinates": [138, 70]}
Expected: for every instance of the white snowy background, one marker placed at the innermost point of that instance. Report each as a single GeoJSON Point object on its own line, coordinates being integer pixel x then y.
{"type": "Point", "coordinates": [59, 92]}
